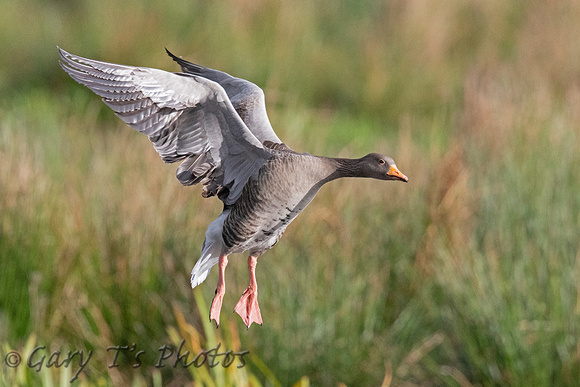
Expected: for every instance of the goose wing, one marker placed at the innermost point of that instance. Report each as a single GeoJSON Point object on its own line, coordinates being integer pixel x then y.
{"type": "Point", "coordinates": [186, 117]}
{"type": "Point", "coordinates": [246, 97]}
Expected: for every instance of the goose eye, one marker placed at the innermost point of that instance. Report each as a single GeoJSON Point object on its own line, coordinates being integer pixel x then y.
{"type": "Point", "coordinates": [381, 161]}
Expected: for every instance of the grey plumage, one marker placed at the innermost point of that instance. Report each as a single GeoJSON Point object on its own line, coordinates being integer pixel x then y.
{"type": "Point", "coordinates": [186, 118]}
{"type": "Point", "coordinates": [246, 97]}
{"type": "Point", "coordinates": [218, 127]}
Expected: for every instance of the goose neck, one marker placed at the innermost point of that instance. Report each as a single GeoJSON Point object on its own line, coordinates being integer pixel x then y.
{"type": "Point", "coordinates": [347, 168]}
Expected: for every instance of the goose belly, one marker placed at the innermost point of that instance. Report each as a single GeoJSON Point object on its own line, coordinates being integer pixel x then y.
{"type": "Point", "coordinates": [266, 207]}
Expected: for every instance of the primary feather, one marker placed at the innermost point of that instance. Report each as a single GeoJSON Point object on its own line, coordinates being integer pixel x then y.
{"type": "Point", "coordinates": [186, 117]}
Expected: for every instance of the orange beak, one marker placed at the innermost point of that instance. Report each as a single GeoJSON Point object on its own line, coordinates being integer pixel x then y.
{"type": "Point", "coordinates": [396, 173]}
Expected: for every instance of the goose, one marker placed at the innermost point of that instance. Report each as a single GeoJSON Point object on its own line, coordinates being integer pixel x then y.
{"type": "Point", "coordinates": [217, 126]}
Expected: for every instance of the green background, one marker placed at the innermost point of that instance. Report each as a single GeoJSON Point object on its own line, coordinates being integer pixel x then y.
{"type": "Point", "coordinates": [468, 274]}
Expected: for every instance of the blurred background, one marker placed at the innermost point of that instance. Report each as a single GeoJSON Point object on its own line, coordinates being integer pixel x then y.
{"type": "Point", "coordinates": [468, 274]}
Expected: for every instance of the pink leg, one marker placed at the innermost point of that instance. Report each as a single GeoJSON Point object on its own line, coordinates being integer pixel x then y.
{"type": "Point", "coordinates": [247, 307]}
{"type": "Point", "coordinates": [216, 304]}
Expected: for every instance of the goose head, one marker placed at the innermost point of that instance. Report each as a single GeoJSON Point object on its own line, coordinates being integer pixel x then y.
{"type": "Point", "coordinates": [377, 166]}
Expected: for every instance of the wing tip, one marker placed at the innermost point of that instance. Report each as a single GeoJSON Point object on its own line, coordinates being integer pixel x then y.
{"type": "Point", "coordinates": [175, 57]}
{"type": "Point", "coordinates": [170, 54]}
{"type": "Point", "coordinates": [186, 66]}
{"type": "Point", "coordinates": [68, 64]}
{"type": "Point", "coordinates": [63, 55]}
{"type": "Point", "coordinates": [73, 64]}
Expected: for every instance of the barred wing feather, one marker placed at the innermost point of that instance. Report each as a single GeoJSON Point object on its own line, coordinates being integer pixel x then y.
{"type": "Point", "coordinates": [186, 117]}
{"type": "Point", "coordinates": [246, 97]}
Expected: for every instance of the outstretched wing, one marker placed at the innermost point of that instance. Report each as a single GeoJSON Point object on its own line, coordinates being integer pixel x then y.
{"type": "Point", "coordinates": [246, 97]}
{"type": "Point", "coordinates": [186, 117]}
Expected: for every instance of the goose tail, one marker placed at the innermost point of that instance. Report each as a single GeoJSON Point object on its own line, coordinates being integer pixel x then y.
{"type": "Point", "coordinates": [211, 251]}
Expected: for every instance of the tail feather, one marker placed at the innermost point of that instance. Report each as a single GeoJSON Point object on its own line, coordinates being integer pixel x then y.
{"type": "Point", "coordinates": [210, 254]}
{"type": "Point", "coordinates": [209, 257]}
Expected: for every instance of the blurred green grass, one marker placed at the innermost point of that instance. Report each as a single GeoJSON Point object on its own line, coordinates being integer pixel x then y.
{"type": "Point", "coordinates": [466, 275]}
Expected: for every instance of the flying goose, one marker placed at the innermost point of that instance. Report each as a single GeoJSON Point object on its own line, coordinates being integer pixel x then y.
{"type": "Point", "coordinates": [217, 126]}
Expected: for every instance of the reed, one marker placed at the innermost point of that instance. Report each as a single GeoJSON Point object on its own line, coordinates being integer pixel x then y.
{"type": "Point", "coordinates": [466, 275]}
